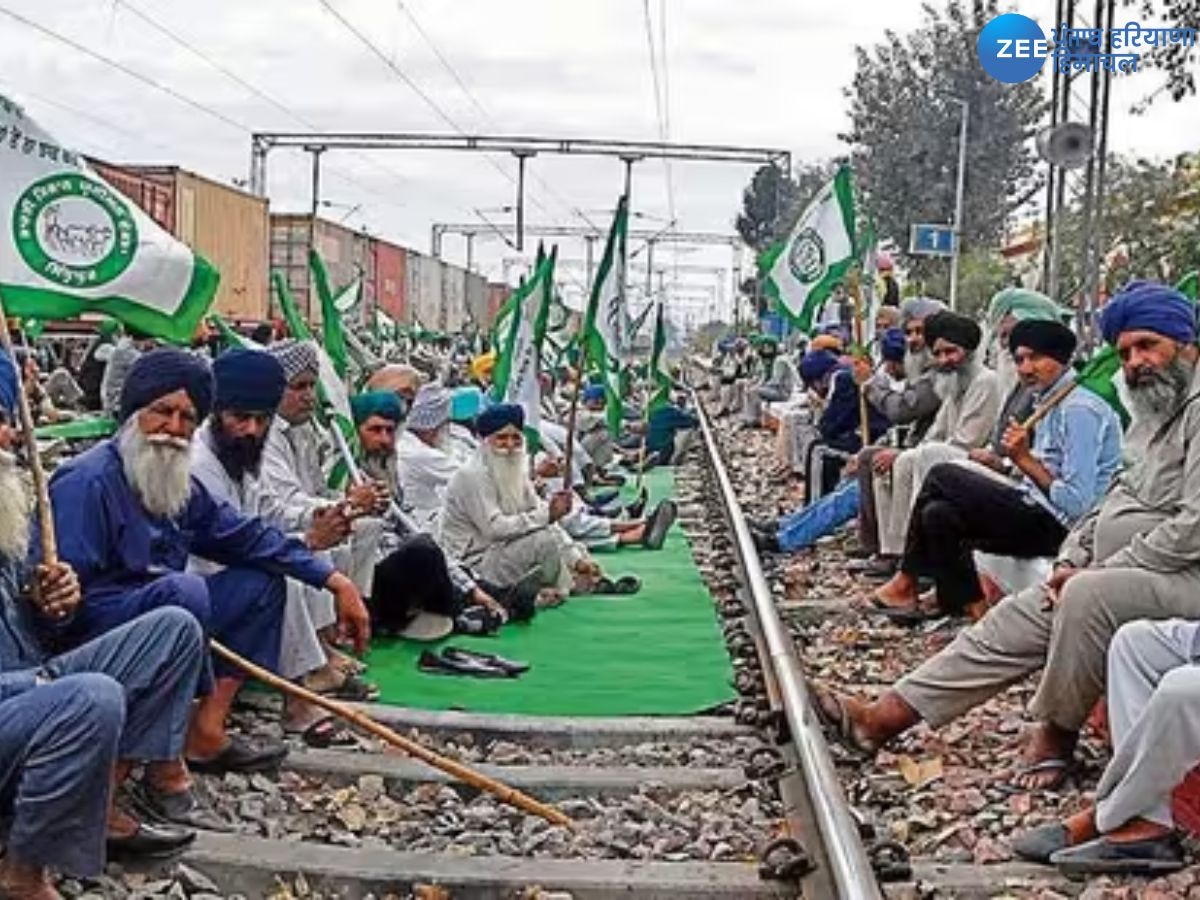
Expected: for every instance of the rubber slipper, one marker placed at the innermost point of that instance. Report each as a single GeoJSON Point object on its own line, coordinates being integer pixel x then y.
{"type": "Point", "coordinates": [841, 725]}
{"type": "Point", "coordinates": [1155, 856]}
{"type": "Point", "coordinates": [623, 586]}
{"type": "Point", "coordinates": [1043, 842]}
{"type": "Point", "coordinates": [328, 732]}
{"type": "Point", "coordinates": [355, 689]}
{"type": "Point", "coordinates": [511, 666]}
{"type": "Point", "coordinates": [1064, 769]}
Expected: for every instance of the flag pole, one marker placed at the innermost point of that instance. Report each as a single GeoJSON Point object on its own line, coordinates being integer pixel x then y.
{"type": "Point", "coordinates": [41, 488]}
{"type": "Point", "coordinates": [853, 288]}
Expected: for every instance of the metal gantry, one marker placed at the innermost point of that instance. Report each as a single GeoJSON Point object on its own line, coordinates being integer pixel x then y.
{"type": "Point", "coordinates": [523, 147]}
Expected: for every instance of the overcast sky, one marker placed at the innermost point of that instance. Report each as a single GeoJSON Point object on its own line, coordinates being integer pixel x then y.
{"type": "Point", "coordinates": [763, 73]}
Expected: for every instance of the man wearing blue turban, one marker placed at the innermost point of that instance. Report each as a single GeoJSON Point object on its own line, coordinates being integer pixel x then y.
{"type": "Point", "coordinates": [1136, 556]}
{"type": "Point", "coordinates": [129, 514]}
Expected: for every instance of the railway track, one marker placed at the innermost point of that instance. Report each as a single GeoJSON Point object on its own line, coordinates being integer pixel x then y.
{"type": "Point", "coordinates": [737, 804]}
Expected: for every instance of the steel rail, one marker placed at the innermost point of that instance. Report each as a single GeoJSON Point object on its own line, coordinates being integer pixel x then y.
{"type": "Point", "coordinates": [843, 847]}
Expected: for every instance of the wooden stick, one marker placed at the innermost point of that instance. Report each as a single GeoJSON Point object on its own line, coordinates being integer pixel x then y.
{"type": "Point", "coordinates": [41, 486]}
{"type": "Point", "coordinates": [1052, 401]}
{"type": "Point", "coordinates": [359, 719]}
{"type": "Point", "coordinates": [864, 416]}
{"type": "Point", "coordinates": [569, 450]}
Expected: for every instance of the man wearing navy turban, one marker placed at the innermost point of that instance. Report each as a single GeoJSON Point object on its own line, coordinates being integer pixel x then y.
{"type": "Point", "coordinates": [1136, 556]}
{"type": "Point", "coordinates": [129, 514]}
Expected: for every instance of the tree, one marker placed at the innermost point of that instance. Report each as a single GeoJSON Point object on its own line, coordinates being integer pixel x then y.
{"type": "Point", "coordinates": [1176, 61]}
{"type": "Point", "coordinates": [1147, 226]}
{"type": "Point", "coordinates": [981, 273]}
{"type": "Point", "coordinates": [904, 131]}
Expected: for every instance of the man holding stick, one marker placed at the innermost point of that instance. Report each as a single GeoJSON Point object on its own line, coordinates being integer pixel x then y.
{"type": "Point", "coordinates": [129, 514]}
{"type": "Point", "coordinates": [72, 725]}
{"type": "Point", "coordinates": [1133, 557]}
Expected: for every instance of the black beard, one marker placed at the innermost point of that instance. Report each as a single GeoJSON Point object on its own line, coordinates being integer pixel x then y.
{"type": "Point", "coordinates": [238, 456]}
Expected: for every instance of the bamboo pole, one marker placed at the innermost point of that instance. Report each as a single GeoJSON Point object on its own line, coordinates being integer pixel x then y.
{"type": "Point", "coordinates": [359, 719]}
{"type": "Point", "coordinates": [864, 416]}
{"type": "Point", "coordinates": [41, 485]}
{"type": "Point", "coordinates": [1052, 401]}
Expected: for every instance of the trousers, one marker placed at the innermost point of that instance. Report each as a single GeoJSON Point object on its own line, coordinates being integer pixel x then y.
{"type": "Point", "coordinates": [411, 578]}
{"type": "Point", "coordinates": [241, 608]}
{"type": "Point", "coordinates": [947, 526]}
{"type": "Point", "coordinates": [896, 493]}
{"type": "Point", "coordinates": [123, 695]}
{"type": "Point", "coordinates": [1154, 716]}
{"type": "Point", "coordinates": [807, 525]}
{"type": "Point", "coordinates": [1069, 643]}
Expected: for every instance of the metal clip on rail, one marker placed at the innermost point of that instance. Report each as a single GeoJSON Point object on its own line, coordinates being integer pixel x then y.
{"type": "Point", "coordinates": [849, 863]}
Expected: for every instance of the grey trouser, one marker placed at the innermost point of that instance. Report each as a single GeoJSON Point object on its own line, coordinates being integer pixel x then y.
{"type": "Point", "coordinates": [1154, 716]}
{"type": "Point", "coordinates": [1019, 636]}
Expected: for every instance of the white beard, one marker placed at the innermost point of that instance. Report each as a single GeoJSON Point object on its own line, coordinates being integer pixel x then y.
{"type": "Point", "coordinates": [510, 475]}
{"type": "Point", "coordinates": [381, 467]}
{"type": "Point", "coordinates": [158, 470]}
{"type": "Point", "coordinates": [15, 507]}
{"type": "Point", "coordinates": [1006, 372]}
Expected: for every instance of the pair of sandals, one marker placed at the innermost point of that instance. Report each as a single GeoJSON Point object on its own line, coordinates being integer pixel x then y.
{"type": "Point", "coordinates": [1053, 844]}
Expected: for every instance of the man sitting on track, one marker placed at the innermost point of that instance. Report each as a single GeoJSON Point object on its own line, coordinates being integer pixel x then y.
{"type": "Point", "coordinates": [970, 403]}
{"type": "Point", "coordinates": [1058, 479]}
{"type": "Point", "coordinates": [1153, 706]}
{"type": "Point", "coordinates": [129, 514]}
{"type": "Point", "coordinates": [495, 522]}
{"type": "Point", "coordinates": [1133, 557]}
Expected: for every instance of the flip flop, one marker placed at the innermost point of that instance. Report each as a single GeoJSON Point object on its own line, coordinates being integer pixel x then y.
{"type": "Point", "coordinates": [1041, 843]}
{"type": "Point", "coordinates": [327, 732]}
{"type": "Point", "coordinates": [901, 615]}
{"type": "Point", "coordinates": [841, 725]}
{"type": "Point", "coordinates": [355, 689]}
{"type": "Point", "coordinates": [1065, 769]}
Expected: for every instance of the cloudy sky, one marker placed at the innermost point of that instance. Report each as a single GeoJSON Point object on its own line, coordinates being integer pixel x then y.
{"type": "Point", "coordinates": [763, 73]}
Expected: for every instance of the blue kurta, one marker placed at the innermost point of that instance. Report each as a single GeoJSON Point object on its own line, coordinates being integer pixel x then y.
{"type": "Point", "coordinates": [129, 562]}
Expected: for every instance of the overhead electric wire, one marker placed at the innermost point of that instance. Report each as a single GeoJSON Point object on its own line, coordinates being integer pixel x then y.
{"type": "Point", "coordinates": [660, 99]}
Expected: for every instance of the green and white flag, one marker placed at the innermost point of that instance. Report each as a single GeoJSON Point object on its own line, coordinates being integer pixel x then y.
{"type": "Point", "coordinates": [332, 336]}
{"type": "Point", "coordinates": [604, 327]}
{"type": "Point", "coordinates": [660, 378]}
{"type": "Point", "coordinates": [70, 243]}
{"type": "Point", "coordinates": [519, 361]}
{"type": "Point", "coordinates": [802, 271]}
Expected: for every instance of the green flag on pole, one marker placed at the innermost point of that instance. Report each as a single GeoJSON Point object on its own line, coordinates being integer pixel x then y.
{"type": "Point", "coordinates": [604, 324]}
{"type": "Point", "coordinates": [518, 362]}
{"type": "Point", "coordinates": [331, 317]}
{"type": "Point", "coordinates": [70, 243]}
{"type": "Point", "coordinates": [801, 272]}
{"type": "Point", "coordinates": [660, 378]}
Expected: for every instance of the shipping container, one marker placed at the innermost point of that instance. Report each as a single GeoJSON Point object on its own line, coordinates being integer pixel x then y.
{"type": "Point", "coordinates": [498, 293]}
{"type": "Point", "coordinates": [228, 227]}
{"type": "Point", "coordinates": [347, 255]}
{"type": "Point", "coordinates": [477, 299]}
{"type": "Point", "coordinates": [453, 312]}
{"type": "Point", "coordinates": [391, 279]}
{"type": "Point", "coordinates": [426, 303]}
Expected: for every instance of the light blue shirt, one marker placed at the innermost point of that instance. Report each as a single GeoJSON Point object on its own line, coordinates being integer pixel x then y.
{"type": "Point", "coordinates": [1079, 441]}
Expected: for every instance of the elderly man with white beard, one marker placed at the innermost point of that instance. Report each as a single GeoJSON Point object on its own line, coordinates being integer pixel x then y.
{"type": "Point", "coordinates": [1136, 556]}
{"type": "Point", "coordinates": [495, 522]}
{"type": "Point", "coordinates": [416, 590]}
{"type": "Point", "coordinates": [73, 726]}
{"type": "Point", "coordinates": [970, 403]}
{"type": "Point", "coordinates": [129, 515]}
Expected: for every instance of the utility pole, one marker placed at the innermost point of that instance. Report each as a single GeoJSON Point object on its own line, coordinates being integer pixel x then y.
{"type": "Point", "coordinates": [521, 156]}
{"type": "Point", "coordinates": [958, 202]}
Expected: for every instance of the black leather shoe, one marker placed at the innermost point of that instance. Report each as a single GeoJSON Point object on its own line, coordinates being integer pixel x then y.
{"type": "Point", "coordinates": [432, 664]}
{"type": "Point", "coordinates": [187, 808]}
{"type": "Point", "coordinates": [765, 541]}
{"type": "Point", "coordinates": [151, 841]}
{"type": "Point", "coordinates": [240, 755]}
{"type": "Point", "coordinates": [508, 666]}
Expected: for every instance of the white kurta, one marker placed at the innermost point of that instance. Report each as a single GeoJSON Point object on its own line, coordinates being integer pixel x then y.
{"type": "Point", "coordinates": [424, 473]}
{"type": "Point", "coordinates": [307, 609]}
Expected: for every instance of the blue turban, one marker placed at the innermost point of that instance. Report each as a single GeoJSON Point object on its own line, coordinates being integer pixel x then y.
{"type": "Point", "coordinates": [9, 384]}
{"type": "Point", "coordinates": [593, 392]}
{"type": "Point", "coordinates": [816, 365]}
{"type": "Point", "coordinates": [1149, 306]}
{"type": "Point", "coordinates": [248, 381]}
{"type": "Point", "coordinates": [385, 404]}
{"type": "Point", "coordinates": [502, 415]}
{"type": "Point", "coordinates": [465, 403]}
{"type": "Point", "coordinates": [891, 345]}
{"type": "Point", "coordinates": [164, 371]}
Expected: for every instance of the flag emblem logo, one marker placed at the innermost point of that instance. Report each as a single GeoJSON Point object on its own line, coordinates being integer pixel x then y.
{"type": "Point", "coordinates": [74, 231]}
{"type": "Point", "coordinates": [806, 258]}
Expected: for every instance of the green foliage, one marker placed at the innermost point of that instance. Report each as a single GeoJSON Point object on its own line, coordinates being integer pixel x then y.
{"type": "Point", "coordinates": [981, 273]}
{"type": "Point", "coordinates": [1176, 61]}
{"type": "Point", "coordinates": [904, 131]}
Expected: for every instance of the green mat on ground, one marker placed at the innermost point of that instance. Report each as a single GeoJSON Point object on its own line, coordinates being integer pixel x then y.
{"type": "Point", "coordinates": [81, 429]}
{"type": "Point", "coordinates": [657, 653]}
